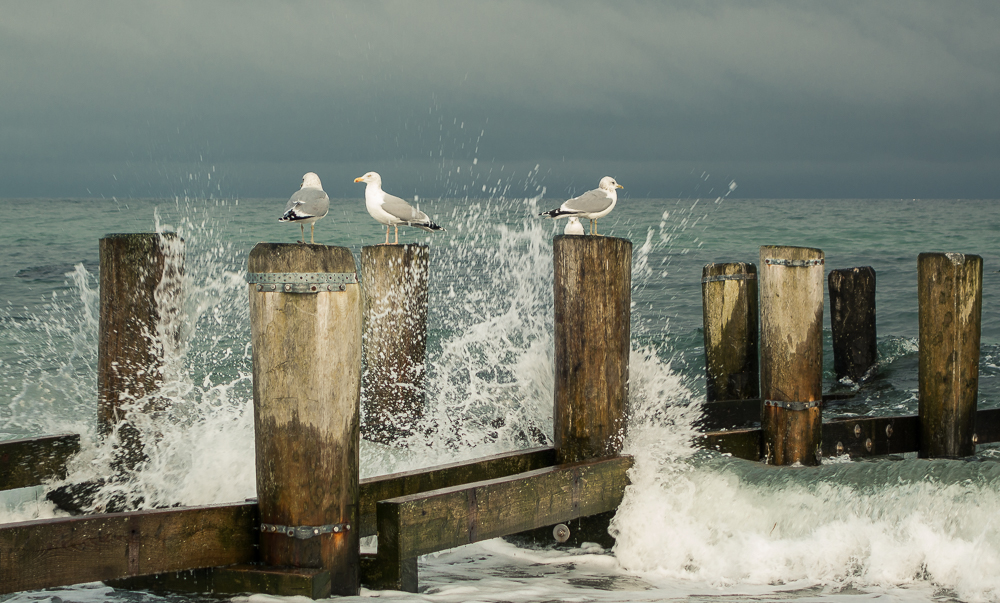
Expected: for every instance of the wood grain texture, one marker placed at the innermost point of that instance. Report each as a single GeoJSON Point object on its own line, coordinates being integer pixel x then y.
{"type": "Point", "coordinates": [592, 286]}
{"type": "Point", "coordinates": [140, 304]}
{"type": "Point", "coordinates": [852, 322]}
{"type": "Point", "coordinates": [791, 358]}
{"type": "Point", "coordinates": [306, 389]}
{"type": "Point", "coordinates": [30, 461]}
{"type": "Point", "coordinates": [730, 318]}
{"type": "Point", "coordinates": [55, 552]}
{"type": "Point", "coordinates": [410, 526]}
{"type": "Point", "coordinates": [394, 286]}
{"type": "Point", "coordinates": [950, 293]}
{"type": "Point", "coordinates": [374, 489]}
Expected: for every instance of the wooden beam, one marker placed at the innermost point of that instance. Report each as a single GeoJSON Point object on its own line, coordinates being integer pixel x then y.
{"type": "Point", "coordinates": [57, 552]}
{"type": "Point", "coordinates": [861, 437]}
{"type": "Point", "coordinates": [394, 485]}
{"type": "Point", "coordinates": [30, 461]}
{"type": "Point", "coordinates": [414, 525]}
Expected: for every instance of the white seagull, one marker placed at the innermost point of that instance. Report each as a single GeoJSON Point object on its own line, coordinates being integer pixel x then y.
{"type": "Point", "coordinates": [390, 210]}
{"type": "Point", "coordinates": [591, 204]}
{"type": "Point", "coordinates": [573, 226]}
{"type": "Point", "coordinates": [307, 205]}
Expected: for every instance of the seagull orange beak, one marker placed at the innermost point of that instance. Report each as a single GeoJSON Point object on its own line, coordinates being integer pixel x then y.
{"type": "Point", "coordinates": [359, 179]}
{"type": "Point", "coordinates": [618, 186]}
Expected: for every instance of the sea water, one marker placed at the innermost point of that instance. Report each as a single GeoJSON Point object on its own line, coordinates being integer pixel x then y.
{"type": "Point", "coordinates": [693, 526]}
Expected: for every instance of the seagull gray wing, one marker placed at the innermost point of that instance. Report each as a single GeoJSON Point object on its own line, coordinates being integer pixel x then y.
{"type": "Point", "coordinates": [307, 203]}
{"type": "Point", "coordinates": [589, 202]}
{"type": "Point", "coordinates": [402, 210]}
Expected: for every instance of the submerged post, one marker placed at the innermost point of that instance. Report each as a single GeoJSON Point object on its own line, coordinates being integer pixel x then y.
{"type": "Point", "coordinates": [852, 321]}
{"type": "Point", "coordinates": [593, 282]}
{"type": "Point", "coordinates": [140, 308]}
{"type": "Point", "coordinates": [729, 305]}
{"type": "Point", "coordinates": [950, 292]}
{"type": "Point", "coordinates": [394, 285]}
{"type": "Point", "coordinates": [305, 326]}
{"type": "Point", "coordinates": [791, 358]}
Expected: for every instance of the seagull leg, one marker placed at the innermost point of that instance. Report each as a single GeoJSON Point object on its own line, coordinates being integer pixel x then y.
{"type": "Point", "coordinates": [302, 227]}
{"type": "Point", "coordinates": [396, 227]}
{"type": "Point", "coordinates": [386, 235]}
{"type": "Point", "coordinates": [312, 234]}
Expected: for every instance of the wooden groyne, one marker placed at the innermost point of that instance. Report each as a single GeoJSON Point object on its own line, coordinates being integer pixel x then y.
{"type": "Point", "coordinates": [310, 309]}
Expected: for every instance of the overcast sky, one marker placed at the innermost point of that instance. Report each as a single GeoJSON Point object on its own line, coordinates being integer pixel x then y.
{"type": "Point", "coordinates": [674, 99]}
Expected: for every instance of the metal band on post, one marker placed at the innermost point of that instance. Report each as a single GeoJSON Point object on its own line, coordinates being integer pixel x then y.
{"type": "Point", "coordinates": [301, 282]}
{"type": "Point", "coordinates": [793, 263]}
{"type": "Point", "coordinates": [305, 532]}
{"type": "Point", "coordinates": [729, 277]}
{"type": "Point", "coordinates": [794, 405]}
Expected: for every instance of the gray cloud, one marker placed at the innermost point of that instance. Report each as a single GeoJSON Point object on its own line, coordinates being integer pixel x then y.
{"type": "Point", "coordinates": [846, 99]}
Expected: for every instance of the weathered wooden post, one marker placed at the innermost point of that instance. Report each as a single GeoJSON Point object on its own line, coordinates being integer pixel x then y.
{"type": "Point", "coordinates": [394, 285]}
{"type": "Point", "coordinates": [305, 326]}
{"type": "Point", "coordinates": [950, 292]}
{"type": "Point", "coordinates": [593, 282]}
{"type": "Point", "coordinates": [140, 319]}
{"type": "Point", "coordinates": [791, 358]}
{"type": "Point", "coordinates": [729, 304]}
{"type": "Point", "coordinates": [852, 320]}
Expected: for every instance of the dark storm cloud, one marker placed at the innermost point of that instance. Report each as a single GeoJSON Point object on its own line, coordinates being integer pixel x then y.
{"type": "Point", "coordinates": [239, 99]}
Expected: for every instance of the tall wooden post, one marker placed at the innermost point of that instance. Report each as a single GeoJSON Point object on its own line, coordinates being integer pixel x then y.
{"type": "Point", "coordinates": [729, 305]}
{"type": "Point", "coordinates": [593, 281]}
{"type": "Point", "coordinates": [791, 358]}
{"type": "Point", "coordinates": [394, 285]}
{"type": "Point", "coordinates": [852, 320]}
{"type": "Point", "coordinates": [140, 309]}
{"type": "Point", "coordinates": [950, 292]}
{"type": "Point", "coordinates": [305, 326]}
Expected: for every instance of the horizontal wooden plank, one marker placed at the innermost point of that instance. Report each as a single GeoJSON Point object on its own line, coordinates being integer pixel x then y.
{"type": "Point", "coordinates": [742, 414]}
{"type": "Point", "coordinates": [871, 436]}
{"type": "Point", "coordinates": [55, 552]}
{"type": "Point", "coordinates": [988, 426]}
{"type": "Point", "coordinates": [741, 443]}
{"type": "Point", "coordinates": [30, 461]}
{"type": "Point", "coordinates": [442, 519]}
{"type": "Point", "coordinates": [394, 485]}
{"type": "Point", "coordinates": [313, 583]}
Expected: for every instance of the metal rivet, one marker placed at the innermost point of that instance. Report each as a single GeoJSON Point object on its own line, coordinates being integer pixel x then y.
{"type": "Point", "coordinates": [329, 287]}
{"type": "Point", "coordinates": [274, 287]}
{"type": "Point", "coordinates": [868, 444]}
{"type": "Point", "coordinates": [260, 287]}
{"type": "Point", "coordinates": [288, 287]}
{"type": "Point", "coordinates": [312, 287]}
{"type": "Point", "coordinates": [336, 529]}
{"type": "Point", "coordinates": [840, 449]}
{"type": "Point", "coordinates": [975, 439]}
{"type": "Point", "coordinates": [857, 431]}
{"type": "Point", "coordinates": [343, 287]}
{"type": "Point", "coordinates": [561, 532]}
{"type": "Point", "coordinates": [316, 531]}
{"type": "Point", "coordinates": [888, 431]}
{"type": "Point", "coordinates": [347, 526]}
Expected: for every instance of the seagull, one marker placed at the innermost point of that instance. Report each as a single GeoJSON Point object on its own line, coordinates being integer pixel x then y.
{"type": "Point", "coordinates": [390, 210]}
{"type": "Point", "coordinates": [591, 204]}
{"type": "Point", "coordinates": [307, 205]}
{"type": "Point", "coordinates": [573, 226]}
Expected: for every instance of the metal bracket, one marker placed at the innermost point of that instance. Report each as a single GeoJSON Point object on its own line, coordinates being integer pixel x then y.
{"type": "Point", "coordinates": [793, 263]}
{"type": "Point", "coordinates": [304, 532]}
{"type": "Point", "coordinates": [793, 405]}
{"type": "Point", "coordinates": [302, 282]}
{"type": "Point", "coordinates": [729, 277]}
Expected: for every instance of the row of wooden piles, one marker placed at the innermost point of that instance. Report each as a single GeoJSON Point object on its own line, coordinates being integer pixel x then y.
{"type": "Point", "coordinates": [783, 302]}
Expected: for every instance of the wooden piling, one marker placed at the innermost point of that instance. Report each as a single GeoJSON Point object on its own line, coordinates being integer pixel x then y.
{"type": "Point", "coordinates": [950, 292]}
{"type": "Point", "coordinates": [852, 321]}
{"type": "Point", "coordinates": [394, 288]}
{"type": "Point", "coordinates": [791, 358]}
{"type": "Point", "coordinates": [306, 389]}
{"type": "Point", "coordinates": [593, 280]}
{"type": "Point", "coordinates": [140, 306]}
{"type": "Point", "coordinates": [729, 309]}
